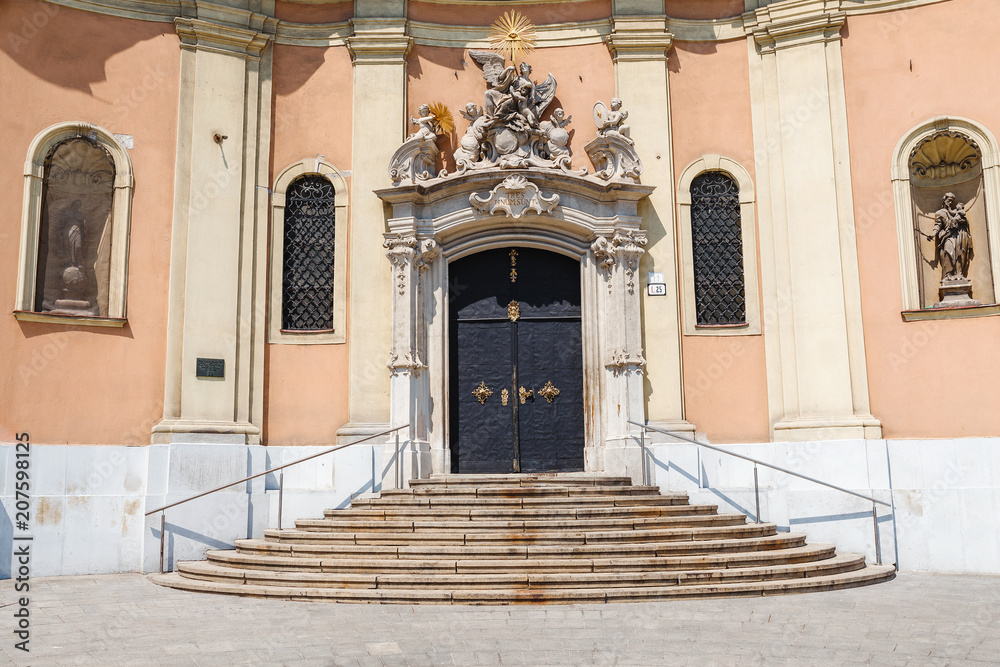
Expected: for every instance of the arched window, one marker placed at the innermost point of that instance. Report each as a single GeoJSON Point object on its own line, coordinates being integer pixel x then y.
{"type": "Point", "coordinates": [308, 254]}
{"type": "Point", "coordinates": [74, 234]}
{"type": "Point", "coordinates": [945, 184]}
{"type": "Point", "coordinates": [718, 248]}
{"type": "Point", "coordinates": [309, 210]}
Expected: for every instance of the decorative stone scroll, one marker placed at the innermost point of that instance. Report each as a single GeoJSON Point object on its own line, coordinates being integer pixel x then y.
{"type": "Point", "coordinates": [415, 160]}
{"type": "Point", "coordinates": [515, 196]}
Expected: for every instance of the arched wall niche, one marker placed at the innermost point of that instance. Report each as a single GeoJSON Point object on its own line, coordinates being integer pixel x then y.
{"type": "Point", "coordinates": [947, 156]}
{"type": "Point", "coordinates": [581, 217]}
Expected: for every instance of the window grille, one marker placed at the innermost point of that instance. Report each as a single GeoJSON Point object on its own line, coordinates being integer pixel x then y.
{"type": "Point", "coordinates": [717, 246]}
{"type": "Point", "coordinates": [307, 274]}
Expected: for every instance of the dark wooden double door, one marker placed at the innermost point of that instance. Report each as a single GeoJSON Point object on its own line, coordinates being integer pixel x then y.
{"type": "Point", "coordinates": [516, 362]}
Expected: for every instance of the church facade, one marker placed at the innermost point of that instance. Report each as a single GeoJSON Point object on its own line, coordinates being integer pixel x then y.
{"type": "Point", "coordinates": [497, 237]}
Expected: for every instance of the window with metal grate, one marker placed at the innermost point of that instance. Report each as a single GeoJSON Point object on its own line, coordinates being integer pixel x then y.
{"type": "Point", "coordinates": [717, 246]}
{"type": "Point", "coordinates": [308, 256]}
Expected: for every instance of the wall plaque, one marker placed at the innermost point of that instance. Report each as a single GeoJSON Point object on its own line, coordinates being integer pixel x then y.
{"type": "Point", "coordinates": [210, 368]}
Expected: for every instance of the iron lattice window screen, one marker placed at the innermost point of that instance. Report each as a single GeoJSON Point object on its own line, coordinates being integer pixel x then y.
{"type": "Point", "coordinates": [307, 274]}
{"type": "Point", "coordinates": [717, 246]}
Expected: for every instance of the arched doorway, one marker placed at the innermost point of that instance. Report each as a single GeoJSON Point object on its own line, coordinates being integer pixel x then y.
{"type": "Point", "coordinates": [515, 362]}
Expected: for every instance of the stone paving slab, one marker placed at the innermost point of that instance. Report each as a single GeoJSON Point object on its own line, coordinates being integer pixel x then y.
{"type": "Point", "coordinates": [916, 619]}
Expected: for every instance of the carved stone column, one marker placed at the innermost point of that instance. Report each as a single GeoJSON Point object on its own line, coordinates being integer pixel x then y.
{"type": "Point", "coordinates": [813, 336]}
{"type": "Point", "coordinates": [378, 48]}
{"type": "Point", "coordinates": [617, 260]}
{"type": "Point", "coordinates": [217, 300]}
{"type": "Point", "coordinates": [639, 43]}
{"type": "Point", "coordinates": [410, 260]}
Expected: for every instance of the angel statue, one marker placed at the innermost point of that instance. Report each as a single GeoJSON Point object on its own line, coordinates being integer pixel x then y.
{"type": "Point", "coordinates": [514, 104]}
{"type": "Point", "coordinates": [426, 124]}
{"type": "Point", "coordinates": [556, 137]}
{"type": "Point", "coordinates": [612, 121]}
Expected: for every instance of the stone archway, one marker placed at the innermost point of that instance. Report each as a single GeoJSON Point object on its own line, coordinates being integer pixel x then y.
{"type": "Point", "coordinates": [581, 217]}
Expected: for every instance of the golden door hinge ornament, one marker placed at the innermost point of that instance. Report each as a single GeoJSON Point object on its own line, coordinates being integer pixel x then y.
{"type": "Point", "coordinates": [548, 391]}
{"type": "Point", "coordinates": [504, 395]}
{"type": "Point", "coordinates": [525, 394]}
{"type": "Point", "coordinates": [482, 392]}
{"type": "Point", "coordinates": [513, 311]}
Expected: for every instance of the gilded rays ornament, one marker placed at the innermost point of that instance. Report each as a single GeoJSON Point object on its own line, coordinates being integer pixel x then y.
{"type": "Point", "coordinates": [513, 35]}
{"type": "Point", "coordinates": [442, 116]}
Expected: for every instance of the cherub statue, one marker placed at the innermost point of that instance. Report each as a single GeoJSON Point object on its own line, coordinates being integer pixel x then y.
{"type": "Point", "coordinates": [614, 121]}
{"type": "Point", "coordinates": [513, 98]}
{"type": "Point", "coordinates": [426, 123]}
{"type": "Point", "coordinates": [556, 138]}
{"type": "Point", "coordinates": [470, 147]}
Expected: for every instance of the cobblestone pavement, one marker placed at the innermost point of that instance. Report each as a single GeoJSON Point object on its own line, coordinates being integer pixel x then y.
{"type": "Point", "coordinates": [919, 619]}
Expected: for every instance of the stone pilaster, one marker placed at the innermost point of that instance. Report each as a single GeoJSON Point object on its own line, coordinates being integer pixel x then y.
{"type": "Point", "coordinates": [814, 343]}
{"type": "Point", "coordinates": [410, 260]}
{"type": "Point", "coordinates": [639, 44]}
{"type": "Point", "coordinates": [378, 49]}
{"type": "Point", "coordinates": [217, 300]}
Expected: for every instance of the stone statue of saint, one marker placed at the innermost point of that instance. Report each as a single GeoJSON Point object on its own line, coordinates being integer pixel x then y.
{"type": "Point", "coordinates": [74, 234]}
{"type": "Point", "coordinates": [952, 239]}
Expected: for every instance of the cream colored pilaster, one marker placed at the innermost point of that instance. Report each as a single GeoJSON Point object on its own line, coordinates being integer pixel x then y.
{"type": "Point", "coordinates": [219, 236]}
{"type": "Point", "coordinates": [814, 344]}
{"type": "Point", "coordinates": [378, 49]}
{"type": "Point", "coordinates": [639, 46]}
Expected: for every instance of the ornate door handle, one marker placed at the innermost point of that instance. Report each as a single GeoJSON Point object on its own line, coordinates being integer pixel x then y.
{"type": "Point", "coordinates": [525, 394]}
{"type": "Point", "coordinates": [482, 392]}
{"type": "Point", "coordinates": [548, 391]}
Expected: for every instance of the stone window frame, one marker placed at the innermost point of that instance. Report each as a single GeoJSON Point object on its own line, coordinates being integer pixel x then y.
{"type": "Point", "coordinates": [748, 226]}
{"type": "Point", "coordinates": [31, 212]}
{"type": "Point", "coordinates": [900, 175]}
{"type": "Point", "coordinates": [309, 167]}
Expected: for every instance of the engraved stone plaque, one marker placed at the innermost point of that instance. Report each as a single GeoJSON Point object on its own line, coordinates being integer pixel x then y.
{"type": "Point", "coordinates": [210, 368]}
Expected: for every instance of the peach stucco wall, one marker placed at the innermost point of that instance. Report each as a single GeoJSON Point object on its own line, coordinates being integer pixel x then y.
{"type": "Point", "coordinates": [725, 384]}
{"type": "Point", "coordinates": [540, 14]}
{"type": "Point", "coordinates": [306, 386]}
{"type": "Point", "coordinates": [703, 9]}
{"type": "Point", "coordinates": [584, 74]}
{"type": "Point", "coordinates": [930, 378]}
{"type": "Point", "coordinates": [70, 385]}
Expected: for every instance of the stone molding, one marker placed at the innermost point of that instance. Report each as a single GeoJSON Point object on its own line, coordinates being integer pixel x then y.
{"type": "Point", "coordinates": [748, 224]}
{"type": "Point", "coordinates": [639, 38]}
{"type": "Point", "coordinates": [900, 176]}
{"type": "Point", "coordinates": [200, 34]}
{"type": "Point", "coordinates": [795, 23]}
{"type": "Point", "coordinates": [31, 212]}
{"type": "Point", "coordinates": [379, 41]}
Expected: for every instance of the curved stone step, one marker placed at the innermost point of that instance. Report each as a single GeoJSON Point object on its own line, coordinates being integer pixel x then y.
{"type": "Point", "coordinates": [525, 502]}
{"type": "Point", "coordinates": [346, 524]}
{"type": "Point", "coordinates": [522, 479]}
{"type": "Point", "coordinates": [528, 491]}
{"type": "Point", "coordinates": [475, 536]}
{"type": "Point", "coordinates": [868, 575]}
{"type": "Point", "coordinates": [518, 513]}
{"type": "Point", "coordinates": [209, 571]}
{"type": "Point", "coordinates": [490, 552]}
{"type": "Point", "coordinates": [360, 564]}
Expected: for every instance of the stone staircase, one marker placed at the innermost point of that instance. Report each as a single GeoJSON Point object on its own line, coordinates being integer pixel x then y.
{"type": "Point", "coordinates": [505, 539]}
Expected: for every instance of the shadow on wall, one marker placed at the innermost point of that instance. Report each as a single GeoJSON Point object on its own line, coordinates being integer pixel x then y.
{"type": "Point", "coordinates": [48, 40]}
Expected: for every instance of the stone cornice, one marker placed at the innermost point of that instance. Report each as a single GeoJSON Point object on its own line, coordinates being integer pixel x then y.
{"type": "Point", "coordinates": [639, 38]}
{"type": "Point", "coordinates": [199, 34]}
{"type": "Point", "coordinates": [379, 41]}
{"type": "Point", "coordinates": [795, 23]}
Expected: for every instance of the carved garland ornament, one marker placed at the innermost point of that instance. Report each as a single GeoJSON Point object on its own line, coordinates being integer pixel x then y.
{"type": "Point", "coordinates": [515, 196]}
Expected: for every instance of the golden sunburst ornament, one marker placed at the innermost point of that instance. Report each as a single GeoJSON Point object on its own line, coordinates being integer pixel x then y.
{"type": "Point", "coordinates": [513, 35]}
{"type": "Point", "coordinates": [442, 116]}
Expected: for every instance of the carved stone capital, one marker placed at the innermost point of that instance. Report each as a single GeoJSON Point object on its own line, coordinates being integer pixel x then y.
{"type": "Point", "coordinates": [624, 248]}
{"type": "Point", "coordinates": [379, 41]}
{"type": "Point", "coordinates": [429, 251]}
{"type": "Point", "coordinates": [401, 251]}
{"type": "Point", "coordinates": [199, 34]}
{"type": "Point", "coordinates": [793, 24]}
{"type": "Point", "coordinates": [624, 362]}
{"type": "Point", "coordinates": [404, 364]}
{"type": "Point", "coordinates": [639, 38]}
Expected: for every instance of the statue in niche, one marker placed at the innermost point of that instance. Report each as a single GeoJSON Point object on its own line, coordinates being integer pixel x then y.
{"type": "Point", "coordinates": [74, 234]}
{"type": "Point", "coordinates": [952, 240]}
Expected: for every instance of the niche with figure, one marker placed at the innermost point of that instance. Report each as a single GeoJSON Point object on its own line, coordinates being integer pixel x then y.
{"type": "Point", "coordinates": [949, 207]}
{"type": "Point", "coordinates": [74, 245]}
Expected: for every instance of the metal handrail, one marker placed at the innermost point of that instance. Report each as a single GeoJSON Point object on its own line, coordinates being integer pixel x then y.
{"type": "Point", "coordinates": [260, 474]}
{"type": "Point", "coordinates": [756, 462]}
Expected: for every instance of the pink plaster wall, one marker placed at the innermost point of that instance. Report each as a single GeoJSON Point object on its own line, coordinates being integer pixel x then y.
{"type": "Point", "coordinates": [88, 385]}
{"type": "Point", "coordinates": [306, 386]}
{"type": "Point", "coordinates": [932, 378]}
{"type": "Point", "coordinates": [486, 14]}
{"type": "Point", "coordinates": [703, 9]}
{"type": "Point", "coordinates": [725, 390]}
